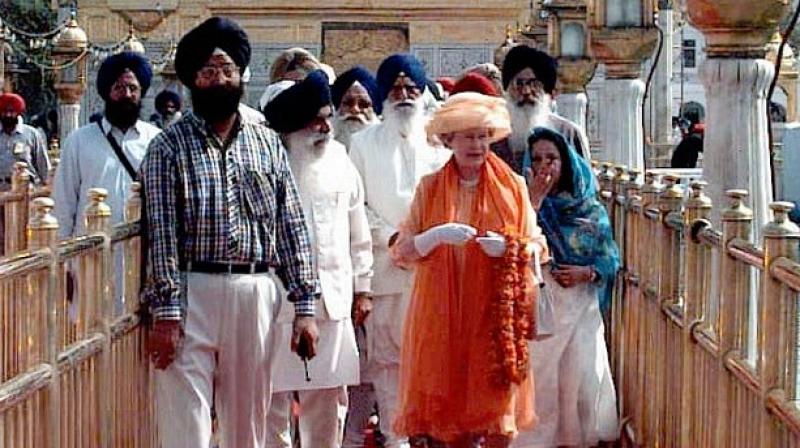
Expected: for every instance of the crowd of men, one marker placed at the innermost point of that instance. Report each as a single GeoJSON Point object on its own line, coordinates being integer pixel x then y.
{"type": "Point", "coordinates": [269, 279]}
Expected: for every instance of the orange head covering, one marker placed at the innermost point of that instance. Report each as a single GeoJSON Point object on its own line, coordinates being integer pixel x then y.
{"type": "Point", "coordinates": [14, 101]}
{"type": "Point", "coordinates": [471, 110]}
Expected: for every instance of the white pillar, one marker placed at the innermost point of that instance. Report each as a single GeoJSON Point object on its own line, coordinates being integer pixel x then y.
{"type": "Point", "coordinates": [622, 122]}
{"type": "Point", "coordinates": [572, 106]}
{"type": "Point", "coordinates": [661, 93]}
{"type": "Point", "coordinates": [68, 120]}
{"type": "Point", "coordinates": [736, 149]}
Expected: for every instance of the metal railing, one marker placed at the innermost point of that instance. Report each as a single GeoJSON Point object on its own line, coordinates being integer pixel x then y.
{"type": "Point", "coordinates": [704, 338]}
{"type": "Point", "coordinates": [72, 366]}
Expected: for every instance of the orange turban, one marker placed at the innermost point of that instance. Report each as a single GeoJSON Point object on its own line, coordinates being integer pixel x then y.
{"type": "Point", "coordinates": [471, 110]}
{"type": "Point", "coordinates": [12, 100]}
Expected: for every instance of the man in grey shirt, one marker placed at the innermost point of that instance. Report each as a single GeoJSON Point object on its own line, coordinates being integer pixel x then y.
{"type": "Point", "coordinates": [19, 143]}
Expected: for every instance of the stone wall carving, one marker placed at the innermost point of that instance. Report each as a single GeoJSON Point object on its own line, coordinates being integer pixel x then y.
{"type": "Point", "coordinates": [347, 44]}
{"type": "Point", "coordinates": [451, 60]}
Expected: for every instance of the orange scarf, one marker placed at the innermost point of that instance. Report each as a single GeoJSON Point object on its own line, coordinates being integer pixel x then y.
{"type": "Point", "coordinates": [449, 383]}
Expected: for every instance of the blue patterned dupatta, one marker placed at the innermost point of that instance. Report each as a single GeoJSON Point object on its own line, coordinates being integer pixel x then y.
{"type": "Point", "coordinates": [575, 223]}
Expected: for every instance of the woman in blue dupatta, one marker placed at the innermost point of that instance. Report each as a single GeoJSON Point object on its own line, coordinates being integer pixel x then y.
{"type": "Point", "coordinates": [575, 397]}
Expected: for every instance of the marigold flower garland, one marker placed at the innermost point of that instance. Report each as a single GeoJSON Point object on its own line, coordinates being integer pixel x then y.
{"type": "Point", "coordinates": [512, 314]}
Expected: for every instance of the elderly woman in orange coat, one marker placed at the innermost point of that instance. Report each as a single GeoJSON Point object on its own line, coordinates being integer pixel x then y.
{"type": "Point", "coordinates": [472, 237]}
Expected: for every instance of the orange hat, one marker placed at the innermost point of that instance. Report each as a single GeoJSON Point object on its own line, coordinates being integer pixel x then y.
{"type": "Point", "coordinates": [14, 101]}
{"type": "Point", "coordinates": [469, 110]}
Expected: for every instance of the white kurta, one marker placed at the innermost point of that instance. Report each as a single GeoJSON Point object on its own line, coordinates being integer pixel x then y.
{"type": "Point", "coordinates": [575, 397]}
{"type": "Point", "coordinates": [333, 203]}
{"type": "Point", "coordinates": [88, 161]}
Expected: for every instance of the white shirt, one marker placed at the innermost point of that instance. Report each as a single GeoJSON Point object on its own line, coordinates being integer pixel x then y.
{"type": "Point", "coordinates": [333, 203]}
{"type": "Point", "coordinates": [88, 161]}
{"type": "Point", "coordinates": [391, 168]}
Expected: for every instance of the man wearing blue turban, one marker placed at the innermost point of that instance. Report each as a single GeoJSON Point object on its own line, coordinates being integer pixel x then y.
{"type": "Point", "coordinates": [333, 202]}
{"type": "Point", "coordinates": [392, 157]}
{"type": "Point", "coordinates": [106, 153]}
{"type": "Point", "coordinates": [355, 98]}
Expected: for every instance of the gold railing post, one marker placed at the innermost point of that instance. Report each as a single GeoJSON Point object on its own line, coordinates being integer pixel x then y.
{"type": "Point", "coordinates": [98, 217]}
{"type": "Point", "coordinates": [133, 212]}
{"type": "Point", "coordinates": [16, 212]}
{"type": "Point", "coordinates": [605, 176]}
{"type": "Point", "coordinates": [623, 350]}
{"type": "Point", "coordinates": [669, 202]}
{"type": "Point", "coordinates": [698, 207]}
{"type": "Point", "coordinates": [42, 232]}
{"type": "Point", "coordinates": [780, 240]}
{"type": "Point", "coordinates": [734, 279]}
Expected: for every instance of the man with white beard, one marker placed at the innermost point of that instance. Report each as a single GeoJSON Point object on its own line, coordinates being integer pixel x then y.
{"type": "Point", "coordinates": [332, 196]}
{"type": "Point", "coordinates": [354, 96]}
{"type": "Point", "coordinates": [392, 158]}
{"type": "Point", "coordinates": [529, 80]}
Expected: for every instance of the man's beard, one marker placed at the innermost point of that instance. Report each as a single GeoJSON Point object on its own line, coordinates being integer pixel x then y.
{"type": "Point", "coordinates": [525, 117]}
{"type": "Point", "coordinates": [347, 125]}
{"type": "Point", "coordinates": [9, 122]}
{"type": "Point", "coordinates": [122, 114]}
{"type": "Point", "coordinates": [305, 144]}
{"type": "Point", "coordinates": [407, 116]}
{"type": "Point", "coordinates": [216, 103]}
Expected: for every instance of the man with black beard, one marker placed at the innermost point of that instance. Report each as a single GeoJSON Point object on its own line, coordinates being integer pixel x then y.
{"type": "Point", "coordinates": [529, 80]}
{"type": "Point", "coordinates": [105, 154]}
{"type": "Point", "coordinates": [354, 96]}
{"type": "Point", "coordinates": [223, 214]}
{"type": "Point", "coordinates": [19, 143]}
{"type": "Point", "coordinates": [392, 157]}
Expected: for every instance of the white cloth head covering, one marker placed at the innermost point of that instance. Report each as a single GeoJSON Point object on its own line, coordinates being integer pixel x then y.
{"type": "Point", "coordinates": [272, 91]}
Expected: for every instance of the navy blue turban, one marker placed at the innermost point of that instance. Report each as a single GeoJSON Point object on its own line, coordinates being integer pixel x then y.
{"type": "Point", "coordinates": [521, 57]}
{"type": "Point", "coordinates": [197, 45]}
{"type": "Point", "coordinates": [391, 68]}
{"type": "Point", "coordinates": [116, 64]}
{"type": "Point", "coordinates": [347, 79]}
{"type": "Point", "coordinates": [296, 107]}
{"type": "Point", "coordinates": [166, 96]}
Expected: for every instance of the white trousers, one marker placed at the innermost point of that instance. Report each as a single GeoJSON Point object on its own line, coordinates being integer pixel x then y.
{"type": "Point", "coordinates": [361, 398]}
{"type": "Point", "coordinates": [321, 422]}
{"type": "Point", "coordinates": [226, 353]}
{"type": "Point", "coordinates": [388, 315]}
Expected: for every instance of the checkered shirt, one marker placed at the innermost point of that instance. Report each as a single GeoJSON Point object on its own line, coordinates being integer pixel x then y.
{"type": "Point", "coordinates": [234, 203]}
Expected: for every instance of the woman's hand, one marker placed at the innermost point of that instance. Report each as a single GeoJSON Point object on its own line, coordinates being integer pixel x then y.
{"type": "Point", "coordinates": [569, 276]}
{"type": "Point", "coordinates": [539, 185]}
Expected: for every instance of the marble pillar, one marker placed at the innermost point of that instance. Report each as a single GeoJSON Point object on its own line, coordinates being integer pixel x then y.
{"type": "Point", "coordinates": [572, 106]}
{"type": "Point", "coordinates": [622, 122]}
{"type": "Point", "coordinates": [736, 149]}
{"type": "Point", "coordinates": [661, 88]}
{"type": "Point", "coordinates": [68, 119]}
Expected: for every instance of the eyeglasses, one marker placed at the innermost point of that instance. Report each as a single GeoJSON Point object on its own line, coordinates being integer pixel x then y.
{"type": "Point", "coordinates": [410, 90]}
{"type": "Point", "coordinates": [211, 71]}
{"type": "Point", "coordinates": [121, 89]}
{"type": "Point", "coordinates": [532, 83]}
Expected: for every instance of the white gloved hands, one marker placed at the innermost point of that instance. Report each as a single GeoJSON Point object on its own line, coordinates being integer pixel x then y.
{"type": "Point", "coordinates": [493, 244]}
{"type": "Point", "coordinates": [449, 233]}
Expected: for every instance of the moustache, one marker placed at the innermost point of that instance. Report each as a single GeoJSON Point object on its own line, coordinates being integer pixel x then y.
{"type": "Point", "coordinates": [356, 118]}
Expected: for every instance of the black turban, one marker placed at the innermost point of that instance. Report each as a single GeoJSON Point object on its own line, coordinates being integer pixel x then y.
{"type": "Point", "coordinates": [116, 64]}
{"type": "Point", "coordinates": [521, 57]}
{"type": "Point", "coordinates": [347, 79]}
{"type": "Point", "coordinates": [197, 45]}
{"type": "Point", "coordinates": [164, 97]}
{"type": "Point", "coordinates": [391, 68]}
{"type": "Point", "coordinates": [296, 107]}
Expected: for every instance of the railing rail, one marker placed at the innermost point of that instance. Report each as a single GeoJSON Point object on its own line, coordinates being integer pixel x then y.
{"type": "Point", "coordinates": [705, 320]}
{"type": "Point", "coordinates": [72, 369]}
